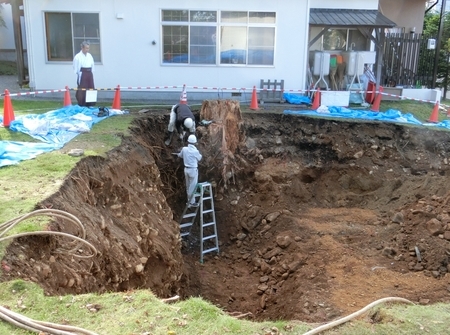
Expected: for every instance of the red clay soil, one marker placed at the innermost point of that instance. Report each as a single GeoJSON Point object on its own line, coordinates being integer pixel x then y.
{"type": "Point", "coordinates": [316, 218]}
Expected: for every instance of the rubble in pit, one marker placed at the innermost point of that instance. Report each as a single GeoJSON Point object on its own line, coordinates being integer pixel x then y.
{"type": "Point", "coordinates": [422, 237]}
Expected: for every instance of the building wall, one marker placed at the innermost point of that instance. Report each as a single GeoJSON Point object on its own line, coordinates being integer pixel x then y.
{"type": "Point", "coordinates": [407, 14]}
{"type": "Point", "coordinates": [353, 4]}
{"type": "Point", "coordinates": [130, 59]}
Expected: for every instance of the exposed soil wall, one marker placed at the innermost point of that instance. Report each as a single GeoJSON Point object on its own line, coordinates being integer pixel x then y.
{"type": "Point", "coordinates": [127, 218]}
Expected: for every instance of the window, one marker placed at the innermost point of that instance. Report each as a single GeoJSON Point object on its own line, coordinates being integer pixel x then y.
{"type": "Point", "coordinates": [344, 39]}
{"type": "Point", "coordinates": [66, 31]}
{"type": "Point", "coordinates": [245, 38]}
{"type": "Point", "coordinates": [190, 37]}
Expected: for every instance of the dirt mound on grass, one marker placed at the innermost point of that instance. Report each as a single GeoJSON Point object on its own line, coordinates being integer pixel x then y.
{"type": "Point", "coordinates": [318, 217]}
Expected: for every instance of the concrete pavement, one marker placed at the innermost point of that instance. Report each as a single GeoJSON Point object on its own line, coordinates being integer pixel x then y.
{"type": "Point", "coordinates": [10, 83]}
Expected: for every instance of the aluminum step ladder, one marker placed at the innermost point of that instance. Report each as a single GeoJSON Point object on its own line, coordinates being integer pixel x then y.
{"type": "Point", "coordinates": [209, 241]}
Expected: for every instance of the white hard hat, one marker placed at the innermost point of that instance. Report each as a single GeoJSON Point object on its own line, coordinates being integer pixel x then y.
{"type": "Point", "coordinates": [188, 123]}
{"type": "Point", "coordinates": [192, 139]}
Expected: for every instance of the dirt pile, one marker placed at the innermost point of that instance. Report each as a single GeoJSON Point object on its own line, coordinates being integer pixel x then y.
{"type": "Point", "coordinates": [316, 217]}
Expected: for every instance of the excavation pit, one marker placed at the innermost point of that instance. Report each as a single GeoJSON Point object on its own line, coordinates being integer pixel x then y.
{"type": "Point", "coordinates": [316, 218]}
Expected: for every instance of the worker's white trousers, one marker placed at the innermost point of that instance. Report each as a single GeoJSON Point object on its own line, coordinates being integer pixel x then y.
{"type": "Point", "coordinates": [191, 176]}
{"type": "Point", "coordinates": [172, 120]}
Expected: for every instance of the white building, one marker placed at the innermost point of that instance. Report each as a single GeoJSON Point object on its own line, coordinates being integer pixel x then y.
{"type": "Point", "coordinates": [207, 45]}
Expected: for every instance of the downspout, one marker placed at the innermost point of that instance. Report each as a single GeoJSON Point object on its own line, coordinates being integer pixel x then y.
{"type": "Point", "coordinates": [306, 50]}
{"type": "Point", "coordinates": [438, 44]}
{"type": "Point", "coordinates": [15, 8]}
{"type": "Point", "coordinates": [30, 50]}
{"type": "Point", "coordinates": [380, 36]}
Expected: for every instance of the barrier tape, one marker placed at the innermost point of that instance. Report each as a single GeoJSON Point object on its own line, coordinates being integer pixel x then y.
{"type": "Point", "coordinates": [402, 97]}
{"type": "Point", "coordinates": [165, 87]}
{"type": "Point", "coordinates": [33, 93]}
{"type": "Point", "coordinates": [407, 98]}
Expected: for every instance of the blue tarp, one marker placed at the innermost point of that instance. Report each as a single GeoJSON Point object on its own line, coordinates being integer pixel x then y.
{"type": "Point", "coordinates": [390, 115]}
{"type": "Point", "coordinates": [342, 112]}
{"type": "Point", "coordinates": [54, 129]}
{"type": "Point", "coordinates": [296, 99]}
{"type": "Point", "coordinates": [13, 152]}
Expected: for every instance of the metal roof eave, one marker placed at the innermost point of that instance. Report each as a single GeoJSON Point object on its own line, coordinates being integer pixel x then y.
{"type": "Point", "coordinates": [349, 26]}
{"type": "Point", "coordinates": [348, 18]}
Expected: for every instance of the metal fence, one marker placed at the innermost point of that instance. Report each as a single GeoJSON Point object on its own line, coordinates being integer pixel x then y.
{"type": "Point", "coordinates": [407, 61]}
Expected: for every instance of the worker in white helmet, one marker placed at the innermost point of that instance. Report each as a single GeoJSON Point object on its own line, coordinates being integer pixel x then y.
{"type": "Point", "coordinates": [191, 156]}
{"type": "Point", "coordinates": [182, 119]}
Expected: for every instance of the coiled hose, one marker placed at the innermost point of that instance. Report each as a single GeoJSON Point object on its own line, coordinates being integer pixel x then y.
{"type": "Point", "coordinates": [22, 321]}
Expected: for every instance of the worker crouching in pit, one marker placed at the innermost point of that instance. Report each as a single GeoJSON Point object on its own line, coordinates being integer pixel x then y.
{"type": "Point", "coordinates": [182, 119]}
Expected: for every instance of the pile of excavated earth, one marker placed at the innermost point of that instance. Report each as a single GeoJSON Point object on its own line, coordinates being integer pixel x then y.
{"type": "Point", "coordinates": [316, 217]}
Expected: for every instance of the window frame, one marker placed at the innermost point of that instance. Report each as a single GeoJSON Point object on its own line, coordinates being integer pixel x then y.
{"type": "Point", "coordinates": [75, 40]}
{"type": "Point", "coordinates": [347, 43]}
{"type": "Point", "coordinates": [252, 20]}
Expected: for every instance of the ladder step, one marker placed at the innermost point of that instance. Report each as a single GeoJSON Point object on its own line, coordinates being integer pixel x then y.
{"type": "Point", "coordinates": [203, 195]}
{"type": "Point", "coordinates": [209, 250]}
{"type": "Point", "coordinates": [208, 237]}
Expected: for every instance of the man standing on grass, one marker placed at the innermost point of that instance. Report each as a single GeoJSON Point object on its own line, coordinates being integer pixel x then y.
{"type": "Point", "coordinates": [83, 65]}
{"type": "Point", "coordinates": [191, 156]}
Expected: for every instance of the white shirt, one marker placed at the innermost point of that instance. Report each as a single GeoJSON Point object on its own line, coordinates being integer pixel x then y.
{"type": "Point", "coordinates": [81, 60]}
{"type": "Point", "coordinates": [191, 156]}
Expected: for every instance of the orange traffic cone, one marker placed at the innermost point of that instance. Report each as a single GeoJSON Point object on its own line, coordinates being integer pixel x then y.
{"type": "Point", "coordinates": [183, 97]}
{"type": "Point", "coordinates": [377, 102]}
{"type": "Point", "coordinates": [435, 113]}
{"type": "Point", "coordinates": [254, 102]}
{"type": "Point", "coordinates": [316, 101]}
{"type": "Point", "coordinates": [116, 101]}
{"type": "Point", "coordinates": [8, 113]}
{"type": "Point", "coordinates": [67, 101]}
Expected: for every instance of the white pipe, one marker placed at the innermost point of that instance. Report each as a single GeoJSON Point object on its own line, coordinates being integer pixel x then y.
{"type": "Point", "coordinates": [355, 314]}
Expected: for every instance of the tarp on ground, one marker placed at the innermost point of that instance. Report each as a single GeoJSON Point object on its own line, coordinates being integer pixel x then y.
{"type": "Point", "coordinates": [13, 152]}
{"type": "Point", "coordinates": [390, 115]}
{"type": "Point", "coordinates": [296, 98]}
{"type": "Point", "coordinates": [54, 129]}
